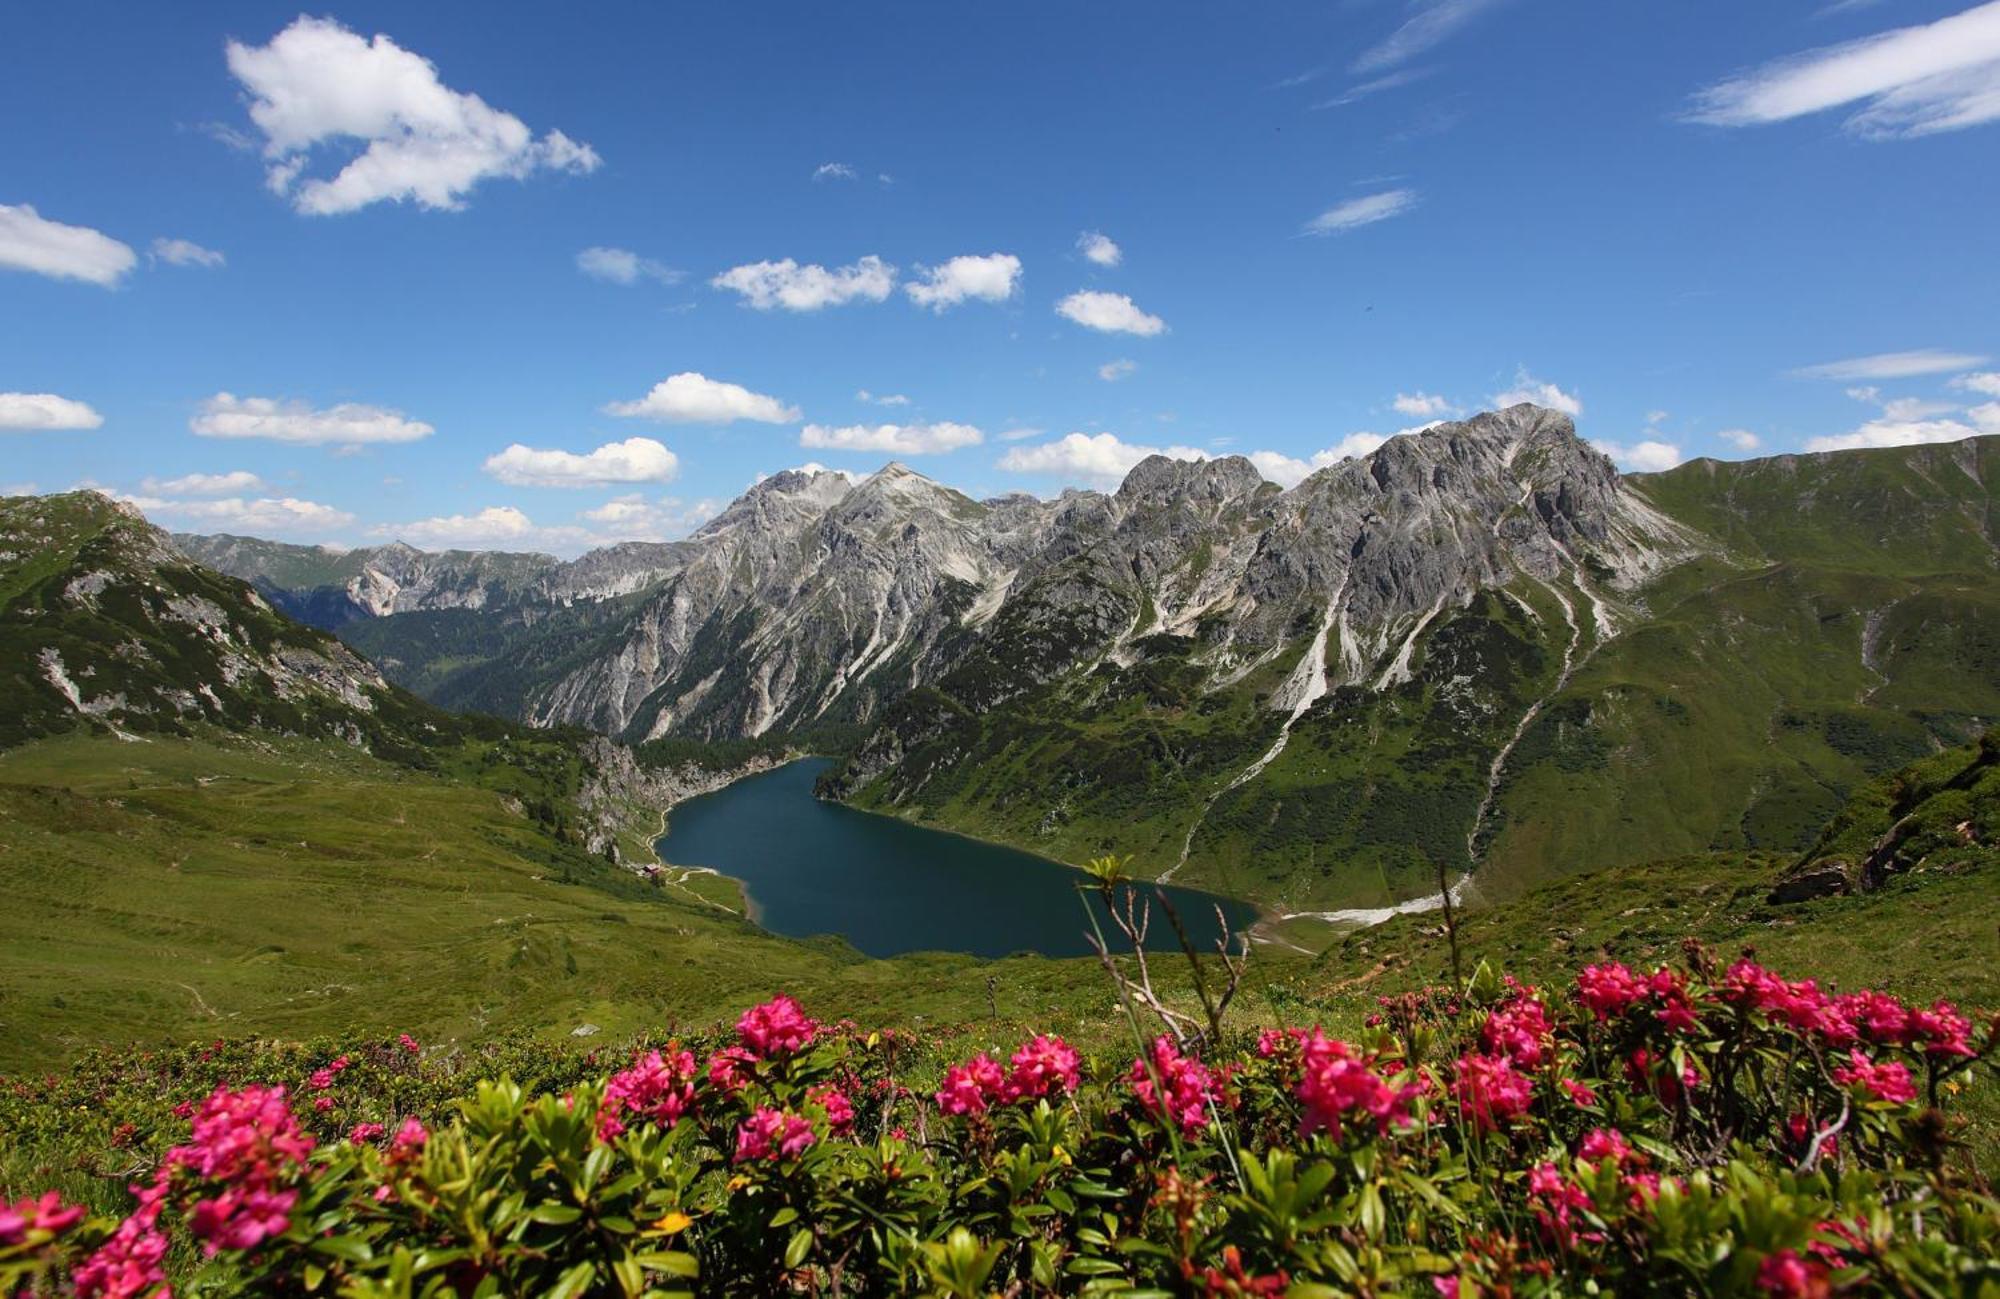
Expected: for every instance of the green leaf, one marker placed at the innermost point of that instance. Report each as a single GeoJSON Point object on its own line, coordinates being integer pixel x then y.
{"type": "Point", "coordinates": [555, 1215]}
{"type": "Point", "coordinates": [800, 1245]}
{"type": "Point", "coordinates": [670, 1261]}
{"type": "Point", "coordinates": [573, 1282]}
{"type": "Point", "coordinates": [353, 1249]}
{"type": "Point", "coordinates": [784, 1217]}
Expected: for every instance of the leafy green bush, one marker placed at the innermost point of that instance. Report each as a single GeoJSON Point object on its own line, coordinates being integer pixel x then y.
{"type": "Point", "coordinates": [1692, 1130]}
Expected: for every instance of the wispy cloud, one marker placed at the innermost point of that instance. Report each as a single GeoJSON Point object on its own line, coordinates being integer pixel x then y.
{"type": "Point", "coordinates": [185, 252]}
{"type": "Point", "coordinates": [1099, 248]}
{"type": "Point", "coordinates": [1939, 76]}
{"type": "Point", "coordinates": [1890, 365]}
{"type": "Point", "coordinates": [1362, 211]}
{"type": "Point", "coordinates": [835, 171]}
{"type": "Point", "coordinates": [623, 266]}
{"type": "Point", "coordinates": [1375, 85]}
{"type": "Point", "coordinates": [1433, 22]}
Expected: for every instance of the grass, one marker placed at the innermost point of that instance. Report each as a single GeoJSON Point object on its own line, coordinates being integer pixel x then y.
{"type": "Point", "coordinates": [182, 888]}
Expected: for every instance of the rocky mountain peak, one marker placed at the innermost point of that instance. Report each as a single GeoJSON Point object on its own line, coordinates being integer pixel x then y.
{"type": "Point", "coordinates": [1159, 478]}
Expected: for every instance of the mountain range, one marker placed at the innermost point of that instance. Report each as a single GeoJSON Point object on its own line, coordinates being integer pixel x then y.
{"type": "Point", "coordinates": [1480, 645]}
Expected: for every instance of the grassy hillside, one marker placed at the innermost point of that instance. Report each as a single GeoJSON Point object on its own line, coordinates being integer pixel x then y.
{"type": "Point", "coordinates": [1847, 622]}
{"type": "Point", "coordinates": [188, 888]}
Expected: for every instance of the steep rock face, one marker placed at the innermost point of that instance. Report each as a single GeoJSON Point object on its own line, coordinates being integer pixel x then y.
{"type": "Point", "coordinates": [817, 598]}
{"type": "Point", "coordinates": [104, 622]}
{"type": "Point", "coordinates": [329, 588]}
{"type": "Point", "coordinates": [804, 587]}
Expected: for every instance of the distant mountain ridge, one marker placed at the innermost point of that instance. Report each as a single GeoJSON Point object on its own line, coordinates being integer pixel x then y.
{"type": "Point", "coordinates": [1478, 644]}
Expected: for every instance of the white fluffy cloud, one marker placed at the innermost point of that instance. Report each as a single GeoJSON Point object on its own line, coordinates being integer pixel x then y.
{"type": "Point", "coordinates": [786, 284]}
{"type": "Point", "coordinates": [32, 242]}
{"type": "Point", "coordinates": [1290, 471]}
{"type": "Point", "coordinates": [692, 398]}
{"type": "Point", "coordinates": [1912, 81]}
{"type": "Point", "coordinates": [1100, 458]}
{"type": "Point", "coordinates": [1643, 457]}
{"type": "Point", "coordinates": [185, 252]}
{"type": "Point", "coordinates": [1891, 365]}
{"type": "Point", "coordinates": [1112, 313]}
{"type": "Point", "coordinates": [991, 278]}
{"type": "Point", "coordinates": [1422, 405]}
{"type": "Point", "coordinates": [1528, 388]}
{"type": "Point", "coordinates": [1910, 421]}
{"type": "Point", "coordinates": [1113, 371]}
{"type": "Point", "coordinates": [623, 266]}
{"type": "Point", "coordinates": [1362, 211]}
{"type": "Point", "coordinates": [226, 415]}
{"type": "Point", "coordinates": [261, 516]}
{"type": "Point", "coordinates": [1099, 248]}
{"type": "Point", "coordinates": [23, 411]}
{"type": "Point", "coordinates": [1987, 383]}
{"type": "Point", "coordinates": [635, 460]}
{"type": "Point", "coordinates": [234, 483]}
{"type": "Point", "coordinates": [494, 525]}
{"type": "Point", "coordinates": [892, 439]}
{"type": "Point", "coordinates": [1741, 438]}
{"type": "Point", "coordinates": [318, 84]}
{"type": "Point", "coordinates": [635, 518]}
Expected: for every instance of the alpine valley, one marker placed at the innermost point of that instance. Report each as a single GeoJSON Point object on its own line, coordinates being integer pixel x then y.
{"type": "Point", "coordinates": [1478, 649]}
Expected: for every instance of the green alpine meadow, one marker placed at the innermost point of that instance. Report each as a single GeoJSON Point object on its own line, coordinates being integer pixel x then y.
{"type": "Point", "coordinates": [912, 651]}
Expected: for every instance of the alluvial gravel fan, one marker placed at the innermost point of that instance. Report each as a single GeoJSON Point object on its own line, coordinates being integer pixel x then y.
{"type": "Point", "coordinates": [1479, 645]}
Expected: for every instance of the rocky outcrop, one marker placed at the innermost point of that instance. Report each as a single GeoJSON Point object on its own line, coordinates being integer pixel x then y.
{"type": "Point", "coordinates": [622, 796]}
{"type": "Point", "coordinates": [108, 624]}
{"type": "Point", "coordinates": [820, 598]}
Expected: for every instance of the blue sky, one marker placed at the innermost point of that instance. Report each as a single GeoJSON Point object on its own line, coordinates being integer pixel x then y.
{"type": "Point", "coordinates": [547, 279]}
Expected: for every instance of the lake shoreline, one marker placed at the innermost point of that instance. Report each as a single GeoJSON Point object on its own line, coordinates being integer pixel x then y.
{"type": "Point", "coordinates": [889, 885]}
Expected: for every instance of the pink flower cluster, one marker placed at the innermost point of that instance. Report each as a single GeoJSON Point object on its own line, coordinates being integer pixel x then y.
{"type": "Point", "coordinates": [248, 1147]}
{"type": "Point", "coordinates": [1611, 989]}
{"type": "Point", "coordinates": [834, 1104]}
{"type": "Point", "coordinates": [1941, 1031]}
{"type": "Point", "coordinates": [972, 1087]}
{"type": "Point", "coordinates": [1186, 1090]}
{"type": "Point", "coordinates": [46, 1217]}
{"type": "Point", "coordinates": [1335, 1081]}
{"type": "Point", "coordinates": [1787, 1276]}
{"type": "Point", "coordinates": [1519, 1030]}
{"type": "Point", "coordinates": [322, 1079]}
{"type": "Point", "coordinates": [1557, 1202]}
{"type": "Point", "coordinates": [241, 1164]}
{"type": "Point", "coordinates": [776, 1029]}
{"type": "Point", "coordinates": [1043, 1067]}
{"type": "Point", "coordinates": [1889, 1081]}
{"type": "Point", "coordinates": [658, 1089]}
{"type": "Point", "coordinates": [1489, 1090]}
{"type": "Point", "coordinates": [132, 1263]}
{"type": "Point", "coordinates": [772, 1135]}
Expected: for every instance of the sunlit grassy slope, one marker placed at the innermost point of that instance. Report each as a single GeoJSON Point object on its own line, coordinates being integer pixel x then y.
{"type": "Point", "coordinates": [176, 888]}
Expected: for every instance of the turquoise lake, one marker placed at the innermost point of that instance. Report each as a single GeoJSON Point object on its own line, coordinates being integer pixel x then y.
{"type": "Point", "coordinates": [889, 887]}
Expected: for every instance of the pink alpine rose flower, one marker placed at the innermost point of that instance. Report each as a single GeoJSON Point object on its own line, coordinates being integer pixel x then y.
{"type": "Point", "coordinates": [776, 1029]}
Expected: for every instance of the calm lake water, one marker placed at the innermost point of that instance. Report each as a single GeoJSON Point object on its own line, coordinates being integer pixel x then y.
{"type": "Point", "coordinates": [887, 886]}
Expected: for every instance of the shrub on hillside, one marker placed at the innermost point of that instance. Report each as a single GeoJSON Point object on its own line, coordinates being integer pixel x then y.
{"type": "Point", "coordinates": [1692, 1130]}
